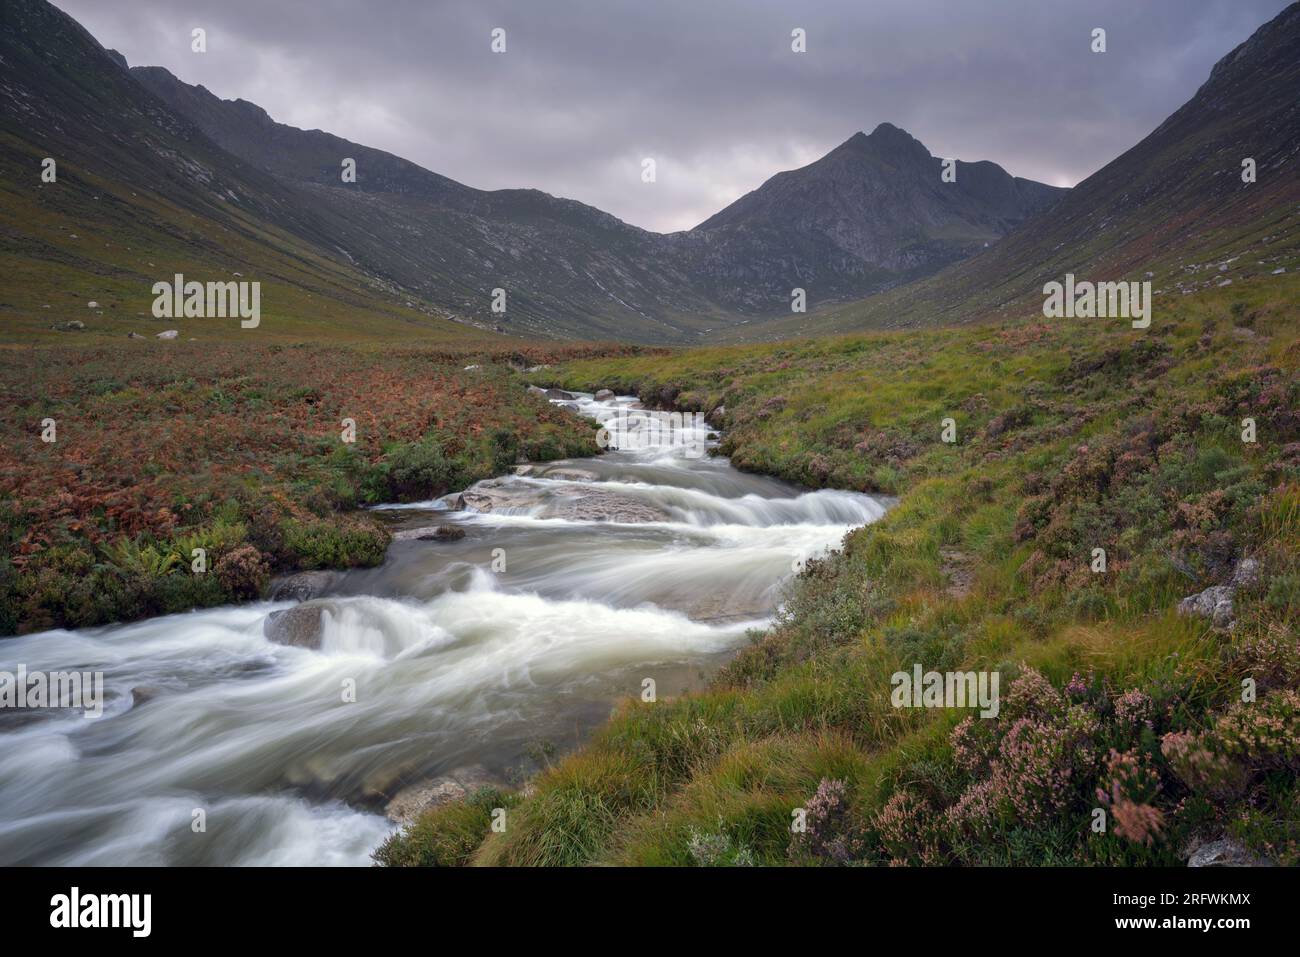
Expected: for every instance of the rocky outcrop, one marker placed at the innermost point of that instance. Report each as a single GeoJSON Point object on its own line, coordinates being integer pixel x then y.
{"type": "Point", "coordinates": [1246, 575]}
{"type": "Point", "coordinates": [1216, 602]}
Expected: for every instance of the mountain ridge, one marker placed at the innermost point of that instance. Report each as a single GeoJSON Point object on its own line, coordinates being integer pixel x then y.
{"type": "Point", "coordinates": [730, 266]}
{"type": "Point", "coordinates": [870, 230]}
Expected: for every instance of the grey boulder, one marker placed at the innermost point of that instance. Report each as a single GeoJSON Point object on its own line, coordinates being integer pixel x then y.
{"type": "Point", "coordinates": [301, 626]}
{"type": "Point", "coordinates": [427, 533]}
{"type": "Point", "coordinates": [413, 800]}
{"type": "Point", "coordinates": [302, 586]}
{"type": "Point", "coordinates": [1214, 603]}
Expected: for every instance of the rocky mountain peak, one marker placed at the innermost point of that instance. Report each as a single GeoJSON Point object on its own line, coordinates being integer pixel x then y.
{"type": "Point", "coordinates": [889, 138]}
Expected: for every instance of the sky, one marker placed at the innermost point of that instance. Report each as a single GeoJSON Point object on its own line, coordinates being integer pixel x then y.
{"type": "Point", "coordinates": [711, 90]}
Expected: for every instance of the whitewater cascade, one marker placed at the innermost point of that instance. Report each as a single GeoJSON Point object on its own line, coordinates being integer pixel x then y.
{"type": "Point", "coordinates": [574, 581]}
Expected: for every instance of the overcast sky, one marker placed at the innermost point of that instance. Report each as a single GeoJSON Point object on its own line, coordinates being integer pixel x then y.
{"type": "Point", "coordinates": [709, 88]}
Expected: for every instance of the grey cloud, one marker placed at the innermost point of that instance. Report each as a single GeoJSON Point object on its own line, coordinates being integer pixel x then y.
{"type": "Point", "coordinates": [710, 89]}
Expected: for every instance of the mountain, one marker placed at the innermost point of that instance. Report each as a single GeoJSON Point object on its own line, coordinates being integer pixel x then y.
{"type": "Point", "coordinates": [159, 176]}
{"type": "Point", "coordinates": [1174, 206]}
{"type": "Point", "coordinates": [568, 269]}
{"type": "Point", "coordinates": [141, 194]}
{"type": "Point", "coordinates": [873, 212]}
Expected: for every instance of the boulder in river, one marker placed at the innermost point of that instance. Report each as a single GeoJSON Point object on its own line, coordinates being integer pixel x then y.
{"type": "Point", "coordinates": [567, 474]}
{"type": "Point", "coordinates": [414, 799]}
{"type": "Point", "coordinates": [300, 626]}
{"type": "Point", "coordinates": [142, 693]}
{"type": "Point", "coordinates": [593, 504]}
{"type": "Point", "coordinates": [559, 394]}
{"type": "Point", "coordinates": [302, 586]}
{"type": "Point", "coordinates": [492, 495]}
{"type": "Point", "coordinates": [604, 395]}
{"type": "Point", "coordinates": [583, 502]}
{"type": "Point", "coordinates": [430, 533]}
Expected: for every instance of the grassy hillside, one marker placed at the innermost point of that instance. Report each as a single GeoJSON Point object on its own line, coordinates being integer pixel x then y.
{"type": "Point", "coordinates": [140, 195]}
{"type": "Point", "coordinates": [163, 447]}
{"type": "Point", "coordinates": [1070, 436]}
{"type": "Point", "coordinates": [83, 240]}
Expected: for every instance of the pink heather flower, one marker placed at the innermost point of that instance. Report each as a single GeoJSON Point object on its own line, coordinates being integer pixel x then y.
{"type": "Point", "coordinates": [830, 835]}
{"type": "Point", "coordinates": [971, 744]}
{"type": "Point", "coordinates": [1131, 784]}
{"type": "Point", "coordinates": [1134, 707]}
{"type": "Point", "coordinates": [906, 829]}
{"type": "Point", "coordinates": [1032, 695]}
{"type": "Point", "coordinates": [1078, 687]}
{"type": "Point", "coordinates": [1137, 822]}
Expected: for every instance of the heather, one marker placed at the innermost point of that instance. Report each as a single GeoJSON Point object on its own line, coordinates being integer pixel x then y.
{"type": "Point", "coordinates": [237, 450]}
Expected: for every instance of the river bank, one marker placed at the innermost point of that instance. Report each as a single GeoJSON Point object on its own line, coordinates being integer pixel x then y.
{"type": "Point", "coordinates": [1065, 439]}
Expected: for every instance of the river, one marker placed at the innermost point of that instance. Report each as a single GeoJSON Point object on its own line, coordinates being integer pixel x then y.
{"type": "Point", "coordinates": [477, 656]}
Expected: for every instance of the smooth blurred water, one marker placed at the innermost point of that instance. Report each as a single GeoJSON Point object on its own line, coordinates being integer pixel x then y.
{"type": "Point", "coordinates": [469, 652]}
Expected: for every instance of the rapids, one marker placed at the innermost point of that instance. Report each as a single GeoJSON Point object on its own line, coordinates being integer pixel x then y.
{"type": "Point", "coordinates": [573, 582]}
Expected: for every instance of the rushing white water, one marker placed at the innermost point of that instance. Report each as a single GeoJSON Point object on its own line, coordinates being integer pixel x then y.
{"type": "Point", "coordinates": [574, 581]}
